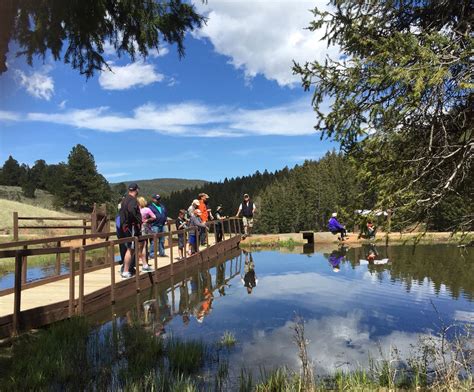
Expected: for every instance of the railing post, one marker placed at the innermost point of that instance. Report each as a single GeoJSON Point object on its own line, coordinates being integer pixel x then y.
{"type": "Point", "coordinates": [17, 295]}
{"type": "Point", "coordinates": [223, 229]}
{"type": "Point", "coordinates": [198, 239]}
{"type": "Point", "coordinates": [111, 254]}
{"type": "Point", "coordinates": [24, 266]}
{"type": "Point", "coordinates": [239, 225]}
{"type": "Point", "coordinates": [72, 274]}
{"type": "Point", "coordinates": [207, 236]}
{"type": "Point", "coordinates": [170, 244]}
{"type": "Point", "coordinates": [185, 251]}
{"type": "Point", "coordinates": [84, 231]}
{"type": "Point", "coordinates": [58, 259]}
{"type": "Point", "coordinates": [82, 262]}
{"type": "Point", "coordinates": [155, 255]}
{"type": "Point", "coordinates": [137, 262]}
{"type": "Point", "coordinates": [15, 226]}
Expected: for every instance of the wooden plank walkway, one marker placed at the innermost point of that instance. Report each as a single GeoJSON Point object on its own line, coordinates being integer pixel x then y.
{"type": "Point", "coordinates": [50, 293]}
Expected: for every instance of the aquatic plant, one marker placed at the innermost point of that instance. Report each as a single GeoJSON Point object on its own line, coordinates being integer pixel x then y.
{"type": "Point", "coordinates": [228, 339]}
{"type": "Point", "coordinates": [185, 357]}
{"type": "Point", "coordinates": [245, 380]}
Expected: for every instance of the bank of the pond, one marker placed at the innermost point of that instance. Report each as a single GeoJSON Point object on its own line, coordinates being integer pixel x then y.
{"type": "Point", "coordinates": [295, 239]}
{"type": "Point", "coordinates": [126, 355]}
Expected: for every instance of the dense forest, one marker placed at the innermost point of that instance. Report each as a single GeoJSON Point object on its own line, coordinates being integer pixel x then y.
{"type": "Point", "coordinates": [75, 185]}
{"type": "Point", "coordinates": [288, 200]}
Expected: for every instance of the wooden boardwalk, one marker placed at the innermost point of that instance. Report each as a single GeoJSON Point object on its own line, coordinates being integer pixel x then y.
{"type": "Point", "coordinates": [87, 290]}
{"type": "Point", "coordinates": [58, 291]}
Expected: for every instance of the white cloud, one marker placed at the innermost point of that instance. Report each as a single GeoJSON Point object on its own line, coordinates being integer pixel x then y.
{"type": "Point", "coordinates": [116, 175]}
{"type": "Point", "coordinates": [9, 116]}
{"type": "Point", "coordinates": [192, 119]}
{"type": "Point", "coordinates": [38, 84]}
{"type": "Point", "coordinates": [335, 343]}
{"type": "Point", "coordinates": [128, 76]}
{"type": "Point", "coordinates": [62, 104]}
{"type": "Point", "coordinates": [264, 37]}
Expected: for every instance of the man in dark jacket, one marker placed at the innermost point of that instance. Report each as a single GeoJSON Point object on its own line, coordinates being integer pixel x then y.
{"type": "Point", "coordinates": [158, 225]}
{"type": "Point", "coordinates": [247, 208]}
{"type": "Point", "coordinates": [130, 226]}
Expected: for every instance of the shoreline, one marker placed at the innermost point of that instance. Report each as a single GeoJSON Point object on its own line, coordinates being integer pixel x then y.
{"type": "Point", "coordinates": [286, 240]}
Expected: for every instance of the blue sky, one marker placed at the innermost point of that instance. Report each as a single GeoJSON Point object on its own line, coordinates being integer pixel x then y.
{"type": "Point", "coordinates": [230, 107]}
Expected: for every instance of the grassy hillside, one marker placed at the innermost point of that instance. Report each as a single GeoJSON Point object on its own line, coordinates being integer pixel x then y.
{"type": "Point", "coordinates": [7, 207]}
{"type": "Point", "coordinates": [43, 199]}
{"type": "Point", "coordinates": [164, 186]}
{"type": "Point", "coordinates": [11, 200]}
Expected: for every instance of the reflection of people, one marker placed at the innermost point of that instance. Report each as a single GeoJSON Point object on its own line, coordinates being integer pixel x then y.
{"type": "Point", "coordinates": [335, 259]}
{"type": "Point", "coordinates": [250, 278]}
{"type": "Point", "coordinates": [336, 228]}
{"type": "Point", "coordinates": [220, 279]}
{"type": "Point", "coordinates": [183, 307]}
{"type": "Point", "coordinates": [205, 306]}
{"type": "Point", "coordinates": [373, 257]}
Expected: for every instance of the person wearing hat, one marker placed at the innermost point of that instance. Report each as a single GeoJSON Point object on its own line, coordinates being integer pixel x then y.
{"type": "Point", "coordinates": [336, 228]}
{"type": "Point", "coordinates": [218, 227]}
{"type": "Point", "coordinates": [158, 225]}
{"type": "Point", "coordinates": [195, 222]}
{"type": "Point", "coordinates": [205, 214]}
{"type": "Point", "coordinates": [247, 208]}
{"type": "Point", "coordinates": [194, 205]}
{"type": "Point", "coordinates": [130, 225]}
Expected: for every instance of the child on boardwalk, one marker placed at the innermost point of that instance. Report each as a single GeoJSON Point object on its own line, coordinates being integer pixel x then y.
{"type": "Point", "coordinates": [181, 225]}
{"type": "Point", "coordinates": [195, 222]}
{"type": "Point", "coordinates": [147, 217]}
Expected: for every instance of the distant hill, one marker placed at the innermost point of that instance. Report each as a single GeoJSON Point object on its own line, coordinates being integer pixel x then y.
{"type": "Point", "coordinates": [164, 186]}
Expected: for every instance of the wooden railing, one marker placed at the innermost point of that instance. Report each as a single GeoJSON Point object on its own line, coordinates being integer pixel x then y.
{"type": "Point", "coordinates": [16, 224]}
{"type": "Point", "coordinates": [230, 228]}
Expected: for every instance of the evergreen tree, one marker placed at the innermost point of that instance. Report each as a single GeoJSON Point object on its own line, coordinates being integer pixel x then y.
{"type": "Point", "coordinates": [28, 182]}
{"type": "Point", "coordinates": [79, 30]}
{"type": "Point", "coordinates": [83, 185]}
{"type": "Point", "coordinates": [38, 172]}
{"type": "Point", "coordinates": [402, 97]}
{"type": "Point", "coordinates": [54, 177]}
{"type": "Point", "coordinates": [11, 172]}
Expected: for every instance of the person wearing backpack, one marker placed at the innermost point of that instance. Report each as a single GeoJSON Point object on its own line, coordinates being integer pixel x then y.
{"type": "Point", "coordinates": [130, 221]}
{"type": "Point", "coordinates": [158, 225]}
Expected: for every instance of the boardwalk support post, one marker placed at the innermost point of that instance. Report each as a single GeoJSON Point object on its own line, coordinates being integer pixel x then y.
{"type": "Point", "coordinates": [82, 262]}
{"type": "Point", "coordinates": [17, 295]}
{"type": "Point", "coordinates": [72, 274]}
{"type": "Point", "coordinates": [112, 272]}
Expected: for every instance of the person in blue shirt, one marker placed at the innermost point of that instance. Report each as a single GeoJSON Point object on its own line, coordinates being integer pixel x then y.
{"type": "Point", "coordinates": [158, 225]}
{"type": "Point", "coordinates": [336, 228]}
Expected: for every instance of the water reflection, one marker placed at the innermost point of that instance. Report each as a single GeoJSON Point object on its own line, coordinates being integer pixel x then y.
{"type": "Point", "coordinates": [359, 312]}
{"type": "Point", "coordinates": [250, 278]}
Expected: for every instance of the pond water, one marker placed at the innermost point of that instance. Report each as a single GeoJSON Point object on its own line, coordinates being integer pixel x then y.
{"type": "Point", "coordinates": [351, 307]}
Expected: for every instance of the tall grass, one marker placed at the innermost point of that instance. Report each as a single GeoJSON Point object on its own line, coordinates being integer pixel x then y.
{"type": "Point", "coordinates": [73, 355]}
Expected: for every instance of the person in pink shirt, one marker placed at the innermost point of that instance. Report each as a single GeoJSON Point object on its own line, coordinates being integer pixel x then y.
{"type": "Point", "coordinates": [147, 217]}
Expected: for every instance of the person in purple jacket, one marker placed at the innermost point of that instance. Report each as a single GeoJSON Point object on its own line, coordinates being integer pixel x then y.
{"type": "Point", "coordinates": [336, 228]}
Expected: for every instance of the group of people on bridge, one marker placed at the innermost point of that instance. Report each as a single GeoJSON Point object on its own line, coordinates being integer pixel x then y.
{"type": "Point", "coordinates": [137, 217]}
